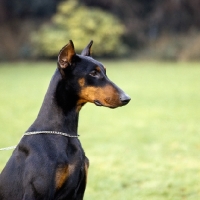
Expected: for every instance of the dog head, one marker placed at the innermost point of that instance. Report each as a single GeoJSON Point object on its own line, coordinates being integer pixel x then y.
{"type": "Point", "coordinates": [88, 78]}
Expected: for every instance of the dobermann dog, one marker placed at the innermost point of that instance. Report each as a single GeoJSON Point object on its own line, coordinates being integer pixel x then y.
{"type": "Point", "coordinates": [49, 162]}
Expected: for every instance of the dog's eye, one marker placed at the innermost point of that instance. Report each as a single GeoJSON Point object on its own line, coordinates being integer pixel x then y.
{"type": "Point", "coordinates": [94, 73]}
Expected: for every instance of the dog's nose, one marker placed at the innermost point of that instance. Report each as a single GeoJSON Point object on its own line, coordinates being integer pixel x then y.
{"type": "Point", "coordinates": [124, 99]}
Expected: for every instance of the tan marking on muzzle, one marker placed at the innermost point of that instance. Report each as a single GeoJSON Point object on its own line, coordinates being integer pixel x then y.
{"type": "Point", "coordinates": [107, 95]}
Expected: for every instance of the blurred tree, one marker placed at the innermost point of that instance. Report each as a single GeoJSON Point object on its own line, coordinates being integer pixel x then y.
{"type": "Point", "coordinates": [18, 18]}
{"type": "Point", "coordinates": [77, 22]}
{"type": "Point", "coordinates": [146, 21]}
{"type": "Point", "coordinates": [28, 9]}
{"type": "Point", "coordinates": [149, 19]}
{"type": "Point", "coordinates": [134, 15]}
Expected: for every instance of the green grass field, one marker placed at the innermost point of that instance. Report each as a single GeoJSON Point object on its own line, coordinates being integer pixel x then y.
{"type": "Point", "coordinates": [147, 150]}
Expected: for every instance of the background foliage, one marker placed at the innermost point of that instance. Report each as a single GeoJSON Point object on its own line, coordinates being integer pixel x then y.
{"type": "Point", "coordinates": [82, 24]}
{"type": "Point", "coordinates": [151, 26]}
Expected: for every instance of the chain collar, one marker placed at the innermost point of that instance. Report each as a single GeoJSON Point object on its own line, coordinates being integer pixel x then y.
{"type": "Point", "coordinates": [41, 132]}
{"type": "Point", "coordinates": [50, 132]}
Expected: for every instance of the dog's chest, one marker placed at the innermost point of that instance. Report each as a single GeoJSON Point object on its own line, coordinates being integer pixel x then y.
{"type": "Point", "coordinates": [70, 172]}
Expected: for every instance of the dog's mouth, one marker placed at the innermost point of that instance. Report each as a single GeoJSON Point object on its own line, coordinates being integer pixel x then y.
{"type": "Point", "coordinates": [98, 103]}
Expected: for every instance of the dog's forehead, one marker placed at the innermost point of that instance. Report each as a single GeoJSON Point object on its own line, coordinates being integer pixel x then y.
{"type": "Point", "coordinates": [95, 63]}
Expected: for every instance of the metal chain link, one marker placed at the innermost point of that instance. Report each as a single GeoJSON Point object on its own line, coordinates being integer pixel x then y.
{"type": "Point", "coordinates": [41, 132]}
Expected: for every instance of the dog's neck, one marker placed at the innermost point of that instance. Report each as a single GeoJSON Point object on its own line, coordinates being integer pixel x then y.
{"type": "Point", "coordinates": [57, 112]}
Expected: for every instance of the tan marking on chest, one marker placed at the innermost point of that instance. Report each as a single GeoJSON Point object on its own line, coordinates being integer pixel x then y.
{"type": "Point", "coordinates": [86, 170]}
{"type": "Point", "coordinates": [62, 174]}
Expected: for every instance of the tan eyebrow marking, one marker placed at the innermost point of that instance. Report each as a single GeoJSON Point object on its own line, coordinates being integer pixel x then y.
{"type": "Point", "coordinates": [98, 69]}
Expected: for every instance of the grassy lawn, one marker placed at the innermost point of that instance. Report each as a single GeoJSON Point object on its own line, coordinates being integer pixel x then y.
{"type": "Point", "coordinates": [147, 150]}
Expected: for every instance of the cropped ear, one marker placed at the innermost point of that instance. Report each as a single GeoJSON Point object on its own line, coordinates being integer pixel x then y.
{"type": "Point", "coordinates": [66, 55]}
{"type": "Point", "coordinates": [87, 50]}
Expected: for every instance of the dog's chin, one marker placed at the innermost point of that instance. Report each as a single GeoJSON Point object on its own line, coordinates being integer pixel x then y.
{"type": "Point", "coordinates": [98, 103]}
